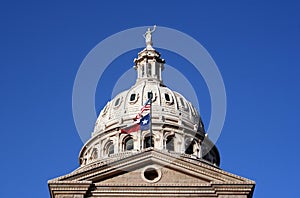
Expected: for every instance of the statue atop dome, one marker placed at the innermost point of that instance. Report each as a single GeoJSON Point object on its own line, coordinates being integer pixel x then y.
{"type": "Point", "coordinates": [148, 35]}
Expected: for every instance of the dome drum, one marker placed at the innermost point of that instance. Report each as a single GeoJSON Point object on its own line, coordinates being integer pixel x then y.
{"type": "Point", "coordinates": [165, 137]}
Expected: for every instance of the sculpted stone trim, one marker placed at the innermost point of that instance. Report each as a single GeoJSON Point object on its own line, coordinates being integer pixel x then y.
{"type": "Point", "coordinates": [187, 168]}
{"type": "Point", "coordinates": [68, 182]}
{"type": "Point", "coordinates": [155, 184]}
{"type": "Point", "coordinates": [159, 156]}
{"type": "Point", "coordinates": [113, 167]}
{"type": "Point", "coordinates": [173, 190]}
{"type": "Point", "coordinates": [65, 189]}
{"type": "Point", "coordinates": [161, 159]}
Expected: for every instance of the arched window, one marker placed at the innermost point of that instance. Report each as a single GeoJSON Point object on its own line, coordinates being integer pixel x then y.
{"type": "Point", "coordinates": [109, 148]}
{"type": "Point", "coordinates": [189, 146]}
{"type": "Point", "coordinates": [170, 143]}
{"type": "Point", "coordinates": [148, 142]}
{"type": "Point", "coordinates": [128, 143]}
{"type": "Point", "coordinates": [94, 154]}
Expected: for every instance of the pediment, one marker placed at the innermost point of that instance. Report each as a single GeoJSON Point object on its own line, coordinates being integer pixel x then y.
{"type": "Point", "coordinates": [174, 169]}
{"type": "Point", "coordinates": [150, 173]}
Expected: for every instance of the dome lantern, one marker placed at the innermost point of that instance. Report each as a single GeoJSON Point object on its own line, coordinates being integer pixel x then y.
{"type": "Point", "coordinates": [149, 65]}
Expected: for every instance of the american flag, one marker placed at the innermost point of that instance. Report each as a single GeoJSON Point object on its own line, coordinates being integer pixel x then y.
{"type": "Point", "coordinates": [146, 107]}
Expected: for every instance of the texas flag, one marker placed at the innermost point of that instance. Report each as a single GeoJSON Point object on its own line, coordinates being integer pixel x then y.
{"type": "Point", "coordinates": [143, 125]}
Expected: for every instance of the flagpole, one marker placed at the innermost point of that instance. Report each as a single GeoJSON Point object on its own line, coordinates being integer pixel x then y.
{"type": "Point", "coordinates": [150, 98]}
{"type": "Point", "coordinates": [141, 140]}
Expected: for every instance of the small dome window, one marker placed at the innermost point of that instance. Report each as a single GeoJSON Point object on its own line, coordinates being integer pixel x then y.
{"type": "Point", "coordinates": [167, 97]}
{"type": "Point", "coordinates": [150, 95]}
{"type": "Point", "coordinates": [117, 102]}
{"type": "Point", "coordinates": [132, 97]}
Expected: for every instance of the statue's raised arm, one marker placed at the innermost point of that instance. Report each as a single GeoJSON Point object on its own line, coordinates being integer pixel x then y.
{"type": "Point", "coordinates": [148, 35]}
{"type": "Point", "coordinates": [154, 28]}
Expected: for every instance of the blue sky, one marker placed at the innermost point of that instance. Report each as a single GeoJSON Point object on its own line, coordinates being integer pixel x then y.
{"type": "Point", "coordinates": [255, 45]}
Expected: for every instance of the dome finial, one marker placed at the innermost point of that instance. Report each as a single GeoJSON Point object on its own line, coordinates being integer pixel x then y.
{"type": "Point", "coordinates": [148, 36]}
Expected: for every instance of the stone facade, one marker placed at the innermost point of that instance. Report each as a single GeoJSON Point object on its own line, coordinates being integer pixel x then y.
{"type": "Point", "coordinates": [172, 158]}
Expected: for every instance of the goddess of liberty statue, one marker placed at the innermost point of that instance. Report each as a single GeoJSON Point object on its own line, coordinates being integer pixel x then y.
{"type": "Point", "coordinates": [148, 36]}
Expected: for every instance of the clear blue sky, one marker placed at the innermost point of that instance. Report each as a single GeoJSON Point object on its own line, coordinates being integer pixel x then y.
{"type": "Point", "coordinates": [254, 43]}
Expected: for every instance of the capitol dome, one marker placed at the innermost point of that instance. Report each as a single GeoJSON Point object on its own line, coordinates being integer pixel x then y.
{"type": "Point", "coordinates": [175, 125]}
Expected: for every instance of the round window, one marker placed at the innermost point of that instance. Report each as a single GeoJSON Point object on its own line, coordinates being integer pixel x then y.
{"type": "Point", "coordinates": [151, 174]}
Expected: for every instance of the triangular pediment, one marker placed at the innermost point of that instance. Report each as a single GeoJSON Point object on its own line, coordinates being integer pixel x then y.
{"type": "Point", "coordinates": [167, 162]}
{"type": "Point", "coordinates": [152, 171]}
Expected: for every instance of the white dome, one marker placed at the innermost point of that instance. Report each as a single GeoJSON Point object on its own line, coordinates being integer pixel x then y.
{"type": "Point", "coordinates": [168, 106]}
{"type": "Point", "coordinates": [175, 123]}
